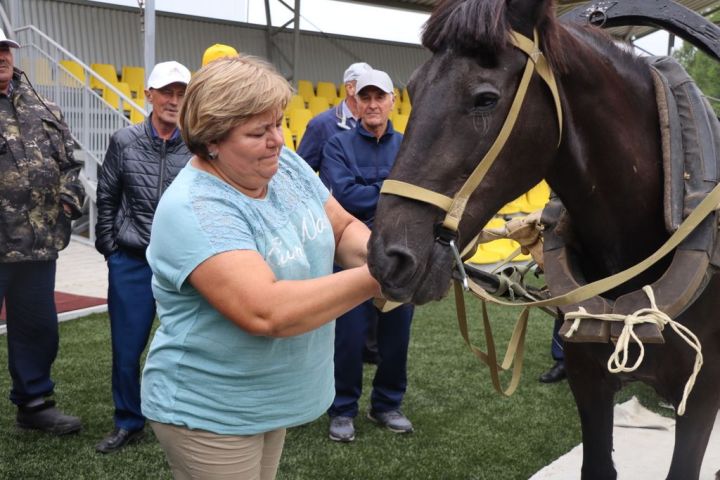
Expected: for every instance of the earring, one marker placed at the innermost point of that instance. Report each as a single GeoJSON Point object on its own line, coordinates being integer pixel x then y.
{"type": "Point", "coordinates": [212, 155]}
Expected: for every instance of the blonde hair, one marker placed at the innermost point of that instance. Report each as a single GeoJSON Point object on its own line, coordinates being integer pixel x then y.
{"type": "Point", "coordinates": [225, 93]}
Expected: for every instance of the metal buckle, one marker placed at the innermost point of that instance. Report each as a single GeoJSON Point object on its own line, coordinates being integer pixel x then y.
{"type": "Point", "coordinates": [460, 266]}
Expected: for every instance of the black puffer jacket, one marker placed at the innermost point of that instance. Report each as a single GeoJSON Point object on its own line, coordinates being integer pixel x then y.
{"type": "Point", "coordinates": [137, 169]}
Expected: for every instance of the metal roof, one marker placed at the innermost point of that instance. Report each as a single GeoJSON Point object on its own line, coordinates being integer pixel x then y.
{"type": "Point", "coordinates": [704, 7]}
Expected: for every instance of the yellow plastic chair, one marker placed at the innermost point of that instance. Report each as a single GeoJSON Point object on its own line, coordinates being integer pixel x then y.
{"type": "Point", "coordinates": [74, 69]}
{"type": "Point", "coordinates": [504, 246]}
{"type": "Point", "coordinates": [327, 90]}
{"type": "Point", "coordinates": [485, 257]}
{"type": "Point", "coordinates": [342, 94]}
{"type": "Point", "coordinates": [400, 122]}
{"type": "Point", "coordinates": [106, 71]}
{"type": "Point", "coordinates": [405, 95]}
{"type": "Point", "coordinates": [538, 196]}
{"type": "Point", "coordinates": [296, 103]}
{"type": "Point", "coordinates": [317, 105]}
{"type": "Point", "coordinates": [398, 95]}
{"type": "Point", "coordinates": [298, 121]}
{"type": "Point", "coordinates": [300, 134]}
{"type": "Point", "coordinates": [113, 99]}
{"type": "Point", "coordinates": [513, 207]}
{"type": "Point", "coordinates": [135, 77]}
{"type": "Point", "coordinates": [405, 108]}
{"type": "Point", "coordinates": [135, 115]}
{"type": "Point", "coordinates": [305, 89]}
{"type": "Point", "coordinates": [289, 142]}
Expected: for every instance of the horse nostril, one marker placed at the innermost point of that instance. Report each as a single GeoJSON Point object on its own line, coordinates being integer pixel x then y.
{"type": "Point", "coordinates": [401, 265]}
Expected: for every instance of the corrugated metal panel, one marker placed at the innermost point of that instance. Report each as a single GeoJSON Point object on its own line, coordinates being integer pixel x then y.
{"type": "Point", "coordinates": [105, 34]}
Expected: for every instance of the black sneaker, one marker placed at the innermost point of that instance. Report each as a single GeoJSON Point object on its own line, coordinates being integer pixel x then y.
{"type": "Point", "coordinates": [46, 418]}
{"type": "Point", "coordinates": [342, 429]}
{"type": "Point", "coordinates": [393, 420]}
{"type": "Point", "coordinates": [555, 374]}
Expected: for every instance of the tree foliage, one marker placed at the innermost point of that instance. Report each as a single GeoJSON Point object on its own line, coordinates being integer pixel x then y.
{"type": "Point", "coordinates": [704, 69]}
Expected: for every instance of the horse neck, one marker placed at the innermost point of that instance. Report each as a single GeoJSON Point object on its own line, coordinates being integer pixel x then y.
{"type": "Point", "coordinates": [608, 170]}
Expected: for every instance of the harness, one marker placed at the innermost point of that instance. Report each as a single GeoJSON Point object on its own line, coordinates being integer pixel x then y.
{"type": "Point", "coordinates": [571, 293]}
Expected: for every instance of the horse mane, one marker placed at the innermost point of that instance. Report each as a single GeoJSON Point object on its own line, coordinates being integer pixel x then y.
{"type": "Point", "coordinates": [483, 27]}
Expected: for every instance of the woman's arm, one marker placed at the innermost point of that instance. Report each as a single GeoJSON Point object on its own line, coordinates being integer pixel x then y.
{"type": "Point", "coordinates": [351, 235]}
{"type": "Point", "coordinates": [243, 288]}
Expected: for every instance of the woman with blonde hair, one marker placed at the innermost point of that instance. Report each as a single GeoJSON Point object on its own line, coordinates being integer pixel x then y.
{"type": "Point", "coordinates": [242, 249]}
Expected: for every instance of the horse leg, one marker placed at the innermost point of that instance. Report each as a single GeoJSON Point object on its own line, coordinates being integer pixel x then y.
{"type": "Point", "coordinates": [594, 391]}
{"type": "Point", "coordinates": [693, 429]}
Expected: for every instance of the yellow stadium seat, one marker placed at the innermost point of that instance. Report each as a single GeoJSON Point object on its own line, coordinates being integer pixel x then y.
{"type": "Point", "coordinates": [405, 108]}
{"type": "Point", "coordinates": [135, 77]}
{"type": "Point", "coordinates": [503, 247]}
{"type": "Point", "coordinates": [289, 142]}
{"type": "Point", "coordinates": [400, 122]}
{"type": "Point", "coordinates": [405, 95]}
{"type": "Point", "coordinates": [396, 92]}
{"type": "Point", "coordinates": [317, 105]}
{"type": "Point", "coordinates": [483, 256]}
{"type": "Point", "coordinates": [538, 196]}
{"type": "Point", "coordinates": [342, 94]}
{"type": "Point", "coordinates": [135, 115]}
{"type": "Point", "coordinates": [296, 103]}
{"type": "Point", "coordinates": [512, 207]}
{"type": "Point", "coordinates": [106, 71]}
{"type": "Point", "coordinates": [298, 120]}
{"type": "Point", "coordinates": [327, 90]}
{"type": "Point", "coordinates": [299, 135]}
{"type": "Point", "coordinates": [113, 99]}
{"type": "Point", "coordinates": [305, 89]}
{"type": "Point", "coordinates": [74, 69]}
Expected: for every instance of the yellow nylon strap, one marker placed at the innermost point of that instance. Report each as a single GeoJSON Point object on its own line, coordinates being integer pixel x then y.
{"type": "Point", "coordinates": [709, 203]}
{"type": "Point", "coordinates": [532, 49]}
{"type": "Point", "coordinates": [515, 350]}
{"type": "Point", "coordinates": [408, 190]}
{"type": "Point", "coordinates": [452, 220]}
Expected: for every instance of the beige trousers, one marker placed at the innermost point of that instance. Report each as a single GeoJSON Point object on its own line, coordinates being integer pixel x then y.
{"type": "Point", "coordinates": [202, 455]}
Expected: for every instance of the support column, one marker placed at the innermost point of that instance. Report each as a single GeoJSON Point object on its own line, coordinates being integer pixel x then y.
{"type": "Point", "coordinates": [149, 36]}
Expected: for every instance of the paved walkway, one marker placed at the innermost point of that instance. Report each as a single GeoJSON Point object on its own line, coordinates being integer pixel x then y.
{"type": "Point", "coordinates": [81, 270]}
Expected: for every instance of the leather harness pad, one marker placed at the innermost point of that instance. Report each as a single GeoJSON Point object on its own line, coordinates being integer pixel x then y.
{"type": "Point", "coordinates": [690, 135]}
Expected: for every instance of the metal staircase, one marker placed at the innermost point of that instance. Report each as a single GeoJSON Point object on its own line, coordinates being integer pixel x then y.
{"type": "Point", "coordinates": [91, 119]}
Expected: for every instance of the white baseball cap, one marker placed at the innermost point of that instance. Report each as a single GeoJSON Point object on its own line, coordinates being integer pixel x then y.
{"type": "Point", "coordinates": [165, 73]}
{"type": "Point", "coordinates": [375, 78]}
{"type": "Point", "coordinates": [354, 71]}
{"type": "Point", "coordinates": [6, 41]}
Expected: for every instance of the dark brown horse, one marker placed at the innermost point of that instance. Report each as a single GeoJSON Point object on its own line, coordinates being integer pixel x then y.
{"type": "Point", "coordinates": [606, 169]}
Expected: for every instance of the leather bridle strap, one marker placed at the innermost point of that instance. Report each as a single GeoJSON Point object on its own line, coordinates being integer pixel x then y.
{"type": "Point", "coordinates": [455, 207]}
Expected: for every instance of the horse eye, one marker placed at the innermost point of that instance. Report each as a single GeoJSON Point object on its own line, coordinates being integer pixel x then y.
{"type": "Point", "coordinates": [485, 101]}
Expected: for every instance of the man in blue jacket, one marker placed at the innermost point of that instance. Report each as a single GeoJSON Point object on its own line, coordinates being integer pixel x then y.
{"type": "Point", "coordinates": [141, 162]}
{"type": "Point", "coordinates": [337, 119]}
{"type": "Point", "coordinates": [354, 165]}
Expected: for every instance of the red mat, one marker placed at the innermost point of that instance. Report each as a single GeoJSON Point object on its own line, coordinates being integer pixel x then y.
{"type": "Point", "coordinates": [67, 302]}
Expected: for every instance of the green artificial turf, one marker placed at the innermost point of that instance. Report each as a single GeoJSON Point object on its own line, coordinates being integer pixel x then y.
{"type": "Point", "coordinates": [463, 429]}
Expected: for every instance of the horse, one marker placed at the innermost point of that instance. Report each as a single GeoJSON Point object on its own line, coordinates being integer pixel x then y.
{"type": "Point", "coordinates": [600, 156]}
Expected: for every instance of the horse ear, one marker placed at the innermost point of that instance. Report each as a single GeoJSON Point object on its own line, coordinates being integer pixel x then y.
{"type": "Point", "coordinates": [526, 15]}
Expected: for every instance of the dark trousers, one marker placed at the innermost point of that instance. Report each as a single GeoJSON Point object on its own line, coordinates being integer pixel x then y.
{"type": "Point", "coordinates": [28, 289]}
{"type": "Point", "coordinates": [393, 338]}
{"type": "Point", "coordinates": [132, 310]}
{"type": "Point", "coordinates": [556, 349]}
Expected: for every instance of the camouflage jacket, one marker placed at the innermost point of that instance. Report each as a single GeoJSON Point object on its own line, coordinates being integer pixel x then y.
{"type": "Point", "coordinates": [38, 173]}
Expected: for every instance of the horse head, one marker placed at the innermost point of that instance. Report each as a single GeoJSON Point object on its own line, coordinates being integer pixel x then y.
{"type": "Point", "coordinates": [461, 98]}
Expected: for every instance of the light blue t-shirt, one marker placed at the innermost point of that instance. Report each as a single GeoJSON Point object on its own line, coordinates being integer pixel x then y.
{"type": "Point", "coordinates": [203, 371]}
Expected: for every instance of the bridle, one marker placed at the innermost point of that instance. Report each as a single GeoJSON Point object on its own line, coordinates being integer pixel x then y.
{"type": "Point", "coordinates": [446, 232]}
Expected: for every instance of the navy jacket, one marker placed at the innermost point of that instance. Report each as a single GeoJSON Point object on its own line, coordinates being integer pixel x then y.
{"type": "Point", "coordinates": [354, 165]}
{"type": "Point", "coordinates": [319, 131]}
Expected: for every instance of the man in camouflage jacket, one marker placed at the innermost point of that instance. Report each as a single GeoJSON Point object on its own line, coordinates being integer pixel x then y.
{"type": "Point", "coordinates": [39, 196]}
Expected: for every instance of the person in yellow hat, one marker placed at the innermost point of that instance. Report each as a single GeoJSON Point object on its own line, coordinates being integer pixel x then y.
{"type": "Point", "coordinates": [218, 51]}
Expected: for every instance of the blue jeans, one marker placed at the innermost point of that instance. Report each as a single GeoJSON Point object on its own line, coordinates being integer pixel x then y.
{"type": "Point", "coordinates": [132, 310]}
{"type": "Point", "coordinates": [28, 289]}
{"type": "Point", "coordinates": [556, 348]}
{"type": "Point", "coordinates": [393, 338]}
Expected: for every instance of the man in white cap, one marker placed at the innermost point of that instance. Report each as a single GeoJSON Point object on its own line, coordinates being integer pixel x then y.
{"type": "Point", "coordinates": [40, 194]}
{"type": "Point", "coordinates": [354, 165]}
{"type": "Point", "coordinates": [342, 117]}
{"type": "Point", "coordinates": [141, 162]}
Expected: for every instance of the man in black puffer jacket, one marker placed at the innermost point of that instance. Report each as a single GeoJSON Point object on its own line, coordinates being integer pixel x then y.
{"type": "Point", "coordinates": [140, 163]}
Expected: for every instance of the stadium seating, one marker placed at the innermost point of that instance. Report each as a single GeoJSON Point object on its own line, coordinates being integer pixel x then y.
{"type": "Point", "coordinates": [298, 120]}
{"type": "Point", "coordinates": [327, 90]}
{"type": "Point", "coordinates": [74, 69]}
{"type": "Point", "coordinates": [317, 105]}
{"type": "Point", "coordinates": [289, 142]}
{"type": "Point", "coordinates": [342, 93]}
{"type": "Point", "coordinates": [135, 77]}
{"type": "Point", "coordinates": [305, 89]}
{"type": "Point", "coordinates": [497, 250]}
{"type": "Point", "coordinates": [405, 108]}
{"type": "Point", "coordinates": [405, 95]}
{"type": "Point", "coordinates": [113, 99]}
{"type": "Point", "coordinates": [135, 115]}
{"type": "Point", "coordinates": [106, 71]}
{"type": "Point", "coordinates": [400, 122]}
{"type": "Point", "coordinates": [537, 197]}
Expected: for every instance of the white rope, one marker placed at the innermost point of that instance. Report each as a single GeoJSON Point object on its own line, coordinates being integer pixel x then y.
{"type": "Point", "coordinates": [618, 360]}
